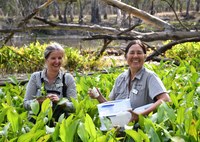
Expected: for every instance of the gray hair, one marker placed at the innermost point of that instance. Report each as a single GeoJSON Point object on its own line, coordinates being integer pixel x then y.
{"type": "Point", "coordinates": [52, 47]}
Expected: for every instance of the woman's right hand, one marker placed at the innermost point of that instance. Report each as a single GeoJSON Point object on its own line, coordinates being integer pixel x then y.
{"type": "Point", "coordinates": [94, 93]}
{"type": "Point", "coordinates": [41, 99]}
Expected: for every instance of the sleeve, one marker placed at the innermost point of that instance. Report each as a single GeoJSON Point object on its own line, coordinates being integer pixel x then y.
{"type": "Point", "coordinates": [155, 86]}
{"type": "Point", "coordinates": [112, 93]}
{"type": "Point", "coordinates": [71, 90]}
{"type": "Point", "coordinates": [31, 91]}
{"type": "Point", "coordinates": [116, 87]}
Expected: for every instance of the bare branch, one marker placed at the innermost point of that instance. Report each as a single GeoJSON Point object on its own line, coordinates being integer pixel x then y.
{"type": "Point", "coordinates": [141, 14]}
{"type": "Point", "coordinates": [26, 19]}
{"type": "Point", "coordinates": [171, 6]}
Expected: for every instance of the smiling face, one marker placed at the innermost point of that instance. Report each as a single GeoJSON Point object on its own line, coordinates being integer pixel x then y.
{"type": "Point", "coordinates": [54, 60]}
{"type": "Point", "coordinates": [135, 57]}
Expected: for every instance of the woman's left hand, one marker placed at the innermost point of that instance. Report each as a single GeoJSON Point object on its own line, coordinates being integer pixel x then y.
{"type": "Point", "coordinates": [53, 97]}
{"type": "Point", "coordinates": [135, 116]}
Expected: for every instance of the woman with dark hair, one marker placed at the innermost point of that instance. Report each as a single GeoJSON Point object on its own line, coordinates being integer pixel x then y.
{"type": "Point", "coordinates": [56, 83]}
{"type": "Point", "coordinates": [139, 84]}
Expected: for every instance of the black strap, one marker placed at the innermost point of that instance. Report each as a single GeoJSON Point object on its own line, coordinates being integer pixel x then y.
{"type": "Point", "coordinates": [64, 88]}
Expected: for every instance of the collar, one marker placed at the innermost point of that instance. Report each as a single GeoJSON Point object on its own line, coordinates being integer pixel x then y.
{"type": "Point", "coordinates": [138, 74]}
{"type": "Point", "coordinates": [44, 76]}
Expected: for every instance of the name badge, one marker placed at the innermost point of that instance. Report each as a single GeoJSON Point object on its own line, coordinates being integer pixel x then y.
{"type": "Point", "coordinates": [59, 85]}
{"type": "Point", "coordinates": [134, 91]}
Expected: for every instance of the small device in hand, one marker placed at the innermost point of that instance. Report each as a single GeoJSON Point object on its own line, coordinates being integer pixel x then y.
{"type": "Point", "coordinates": [95, 92]}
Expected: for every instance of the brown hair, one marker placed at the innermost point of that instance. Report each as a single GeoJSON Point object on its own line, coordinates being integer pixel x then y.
{"type": "Point", "coordinates": [52, 47]}
{"type": "Point", "coordinates": [139, 42]}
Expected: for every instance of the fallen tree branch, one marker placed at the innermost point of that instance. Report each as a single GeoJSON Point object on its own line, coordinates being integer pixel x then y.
{"type": "Point", "coordinates": [141, 14]}
{"type": "Point", "coordinates": [61, 26]}
{"type": "Point", "coordinates": [164, 48]}
{"type": "Point", "coordinates": [148, 37]}
{"type": "Point", "coordinates": [110, 33]}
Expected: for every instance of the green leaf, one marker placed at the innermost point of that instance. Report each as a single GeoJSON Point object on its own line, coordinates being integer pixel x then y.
{"type": "Point", "coordinates": [29, 137]}
{"type": "Point", "coordinates": [83, 134]}
{"type": "Point", "coordinates": [135, 135]}
{"type": "Point", "coordinates": [25, 137]}
{"type": "Point", "coordinates": [90, 127]}
{"type": "Point", "coordinates": [55, 135]}
{"type": "Point", "coordinates": [13, 118]}
{"type": "Point", "coordinates": [180, 115]}
{"type": "Point", "coordinates": [143, 135]}
{"type": "Point", "coordinates": [169, 112]}
{"type": "Point", "coordinates": [68, 129]}
{"type": "Point", "coordinates": [35, 107]}
{"type": "Point", "coordinates": [46, 105]}
{"type": "Point", "coordinates": [3, 114]}
{"type": "Point", "coordinates": [177, 139]}
{"type": "Point", "coordinates": [154, 136]}
{"type": "Point", "coordinates": [62, 101]}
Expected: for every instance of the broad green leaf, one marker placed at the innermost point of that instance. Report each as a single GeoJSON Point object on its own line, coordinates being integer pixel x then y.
{"type": "Point", "coordinates": [68, 129]}
{"type": "Point", "coordinates": [167, 134]}
{"type": "Point", "coordinates": [9, 99]}
{"type": "Point", "coordinates": [62, 101]}
{"type": "Point", "coordinates": [50, 113]}
{"type": "Point", "coordinates": [143, 135]}
{"type": "Point", "coordinates": [193, 131]}
{"type": "Point", "coordinates": [101, 138]}
{"type": "Point", "coordinates": [174, 99]}
{"type": "Point", "coordinates": [189, 98]}
{"type": "Point", "coordinates": [169, 112]}
{"type": "Point", "coordinates": [29, 137]}
{"type": "Point", "coordinates": [35, 107]}
{"type": "Point", "coordinates": [55, 135]}
{"type": "Point", "coordinates": [90, 127]}
{"type": "Point", "coordinates": [40, 125]}
{"type": "Point", "coordinates": [61, 117]}
{"type": "Point", "coordinates": [38, 134]}
{"type": "Point", "coordinates": [180, 115]}
{"type": "Point", "coordinates": [45, 105]}
{"type": "Point", "coordinates": [188, 119]}
{"type": "Point", "coordinates": [135, 135]}
{"type": "Point", "coordinates": [83, 134]}
{"type": "Point", "coordinates": [160, 114]}
{"type": "Point", "coordinates": [25, 137]}
{"type": "Point", "coordinates": [14, 120]}
{"type": "Point", "coordinates": [3, 114]}
{"type": "Point", "coordinates": [154, 137]}
{"type": "Point", "coordinates": [193, 70]}
{"type": "Point", "coordinates": [177, 139]}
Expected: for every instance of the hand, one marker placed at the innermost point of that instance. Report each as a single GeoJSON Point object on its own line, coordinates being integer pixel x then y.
{"type": "Point", "coordinates": [40, 99]}
{"type": "Point", "coordinates": [53, 97]}
{"type": "Point", "coordinates": [135, 116]}
{"type": "Point", "coordinates": [94, 93]}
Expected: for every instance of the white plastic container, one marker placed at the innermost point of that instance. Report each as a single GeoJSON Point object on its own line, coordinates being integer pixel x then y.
{"type": "Point", "coordinates": [113, 107]}
{"type": "Point", "coordinates": [114, 113]}
{"type": "Point", "coordinates": [120, 119]}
